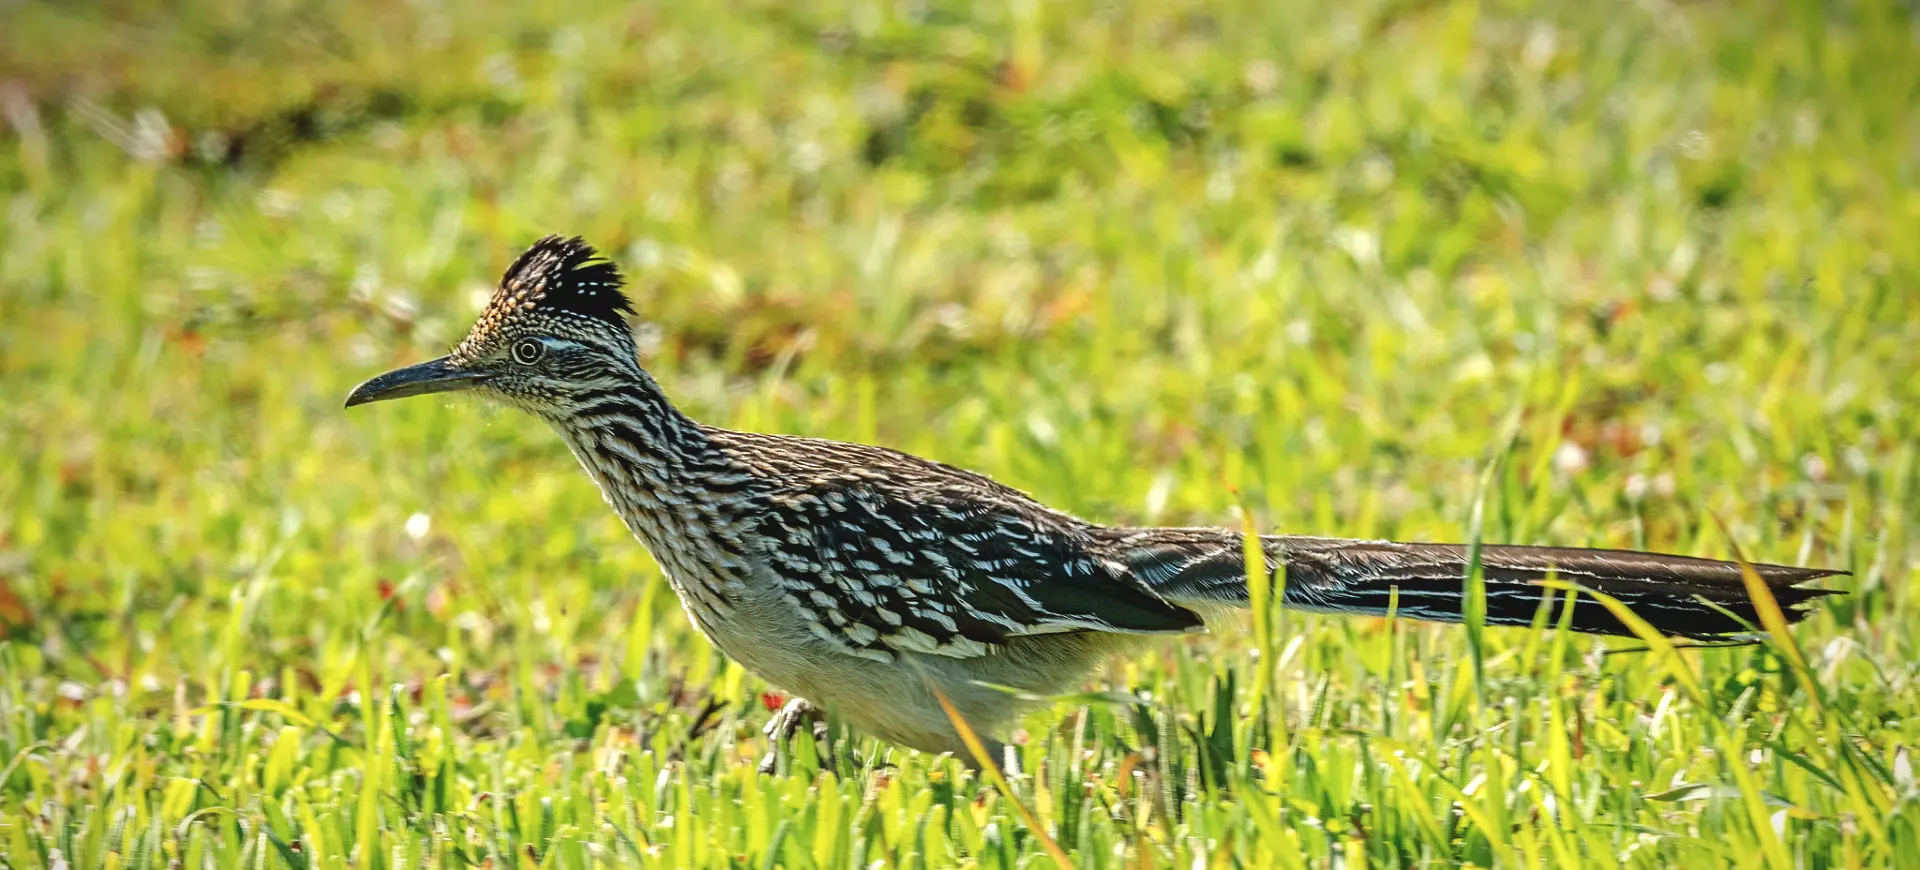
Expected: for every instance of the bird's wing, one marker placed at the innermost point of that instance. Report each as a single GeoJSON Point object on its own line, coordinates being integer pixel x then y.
{"type": "Point", "coordinates": [882, 572]}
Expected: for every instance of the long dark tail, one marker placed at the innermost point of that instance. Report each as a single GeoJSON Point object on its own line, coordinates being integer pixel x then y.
{"type": "Point", "coordinates": [1678, 595]}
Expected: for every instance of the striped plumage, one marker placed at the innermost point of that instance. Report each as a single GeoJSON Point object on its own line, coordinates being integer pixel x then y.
{"type": "Point", "coordinates": [859, 578]}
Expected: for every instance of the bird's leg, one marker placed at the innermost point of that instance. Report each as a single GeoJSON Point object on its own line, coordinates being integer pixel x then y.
{"type": "Point", "coordinates": [823, 738]}
{"type": "Point", "coordinates": [783, 725]}
{"type": "Point", "coordinates": [1006, 756]}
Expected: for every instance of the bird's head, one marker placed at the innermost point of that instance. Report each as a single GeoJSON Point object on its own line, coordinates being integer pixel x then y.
{"type": "Point", "coordinates": [551, 333]}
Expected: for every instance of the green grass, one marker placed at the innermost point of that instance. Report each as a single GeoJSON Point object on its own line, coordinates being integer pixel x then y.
{"type": "Point", "coordinates": [1584, 274]}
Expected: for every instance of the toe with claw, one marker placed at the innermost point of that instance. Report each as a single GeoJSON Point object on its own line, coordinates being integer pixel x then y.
{"type": "Point", "coordinates": [786, 722]}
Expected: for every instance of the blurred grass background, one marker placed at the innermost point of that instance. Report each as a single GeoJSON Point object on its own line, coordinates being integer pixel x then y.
{"type": "Point", "coordinates": [1596, 274]}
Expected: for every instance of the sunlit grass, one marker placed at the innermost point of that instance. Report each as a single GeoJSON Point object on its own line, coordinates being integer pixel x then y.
{"type": "Point", "coordinates": [1576, 274]}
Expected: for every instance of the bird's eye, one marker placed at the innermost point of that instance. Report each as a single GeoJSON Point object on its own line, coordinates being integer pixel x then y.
{"type": "Point", "coordinates": [528, 351]}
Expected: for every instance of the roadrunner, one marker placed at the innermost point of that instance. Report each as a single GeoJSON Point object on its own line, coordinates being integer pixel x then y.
{"type": "Point", "coordinates": [862, 579]}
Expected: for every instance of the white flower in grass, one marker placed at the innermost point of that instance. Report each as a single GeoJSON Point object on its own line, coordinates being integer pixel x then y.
{"type": "Point", "coordinates": [1570, 459]}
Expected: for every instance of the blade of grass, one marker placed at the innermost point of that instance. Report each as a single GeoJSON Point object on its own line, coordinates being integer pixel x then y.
{"type": "Point", "coordinates": [1657, 643]}
{"type": "Point", "coordinates": [991, 768]}
{"type": "Point", "coordinates": [1264, 594]}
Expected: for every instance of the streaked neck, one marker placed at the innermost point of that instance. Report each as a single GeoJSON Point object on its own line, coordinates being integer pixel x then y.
{"type": "Point", "coordinates": [662, 473]}
{"type": "Point", "coordinates": [633, 422]}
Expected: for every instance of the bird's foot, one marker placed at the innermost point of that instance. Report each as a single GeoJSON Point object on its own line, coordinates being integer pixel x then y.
{"type": "Point", "coordinates": [784, 723]}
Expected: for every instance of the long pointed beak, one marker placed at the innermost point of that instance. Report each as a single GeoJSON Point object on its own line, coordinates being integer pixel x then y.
{"type": "Point", "coordinates": [432, 376]}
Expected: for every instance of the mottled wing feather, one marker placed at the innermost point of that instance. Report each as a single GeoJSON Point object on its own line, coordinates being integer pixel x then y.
{"type": "Point", "coordinates": [881, 572]}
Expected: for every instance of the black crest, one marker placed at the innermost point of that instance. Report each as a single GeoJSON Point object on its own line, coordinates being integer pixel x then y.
{"type": "Point", "coordinates": [563, 276]}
